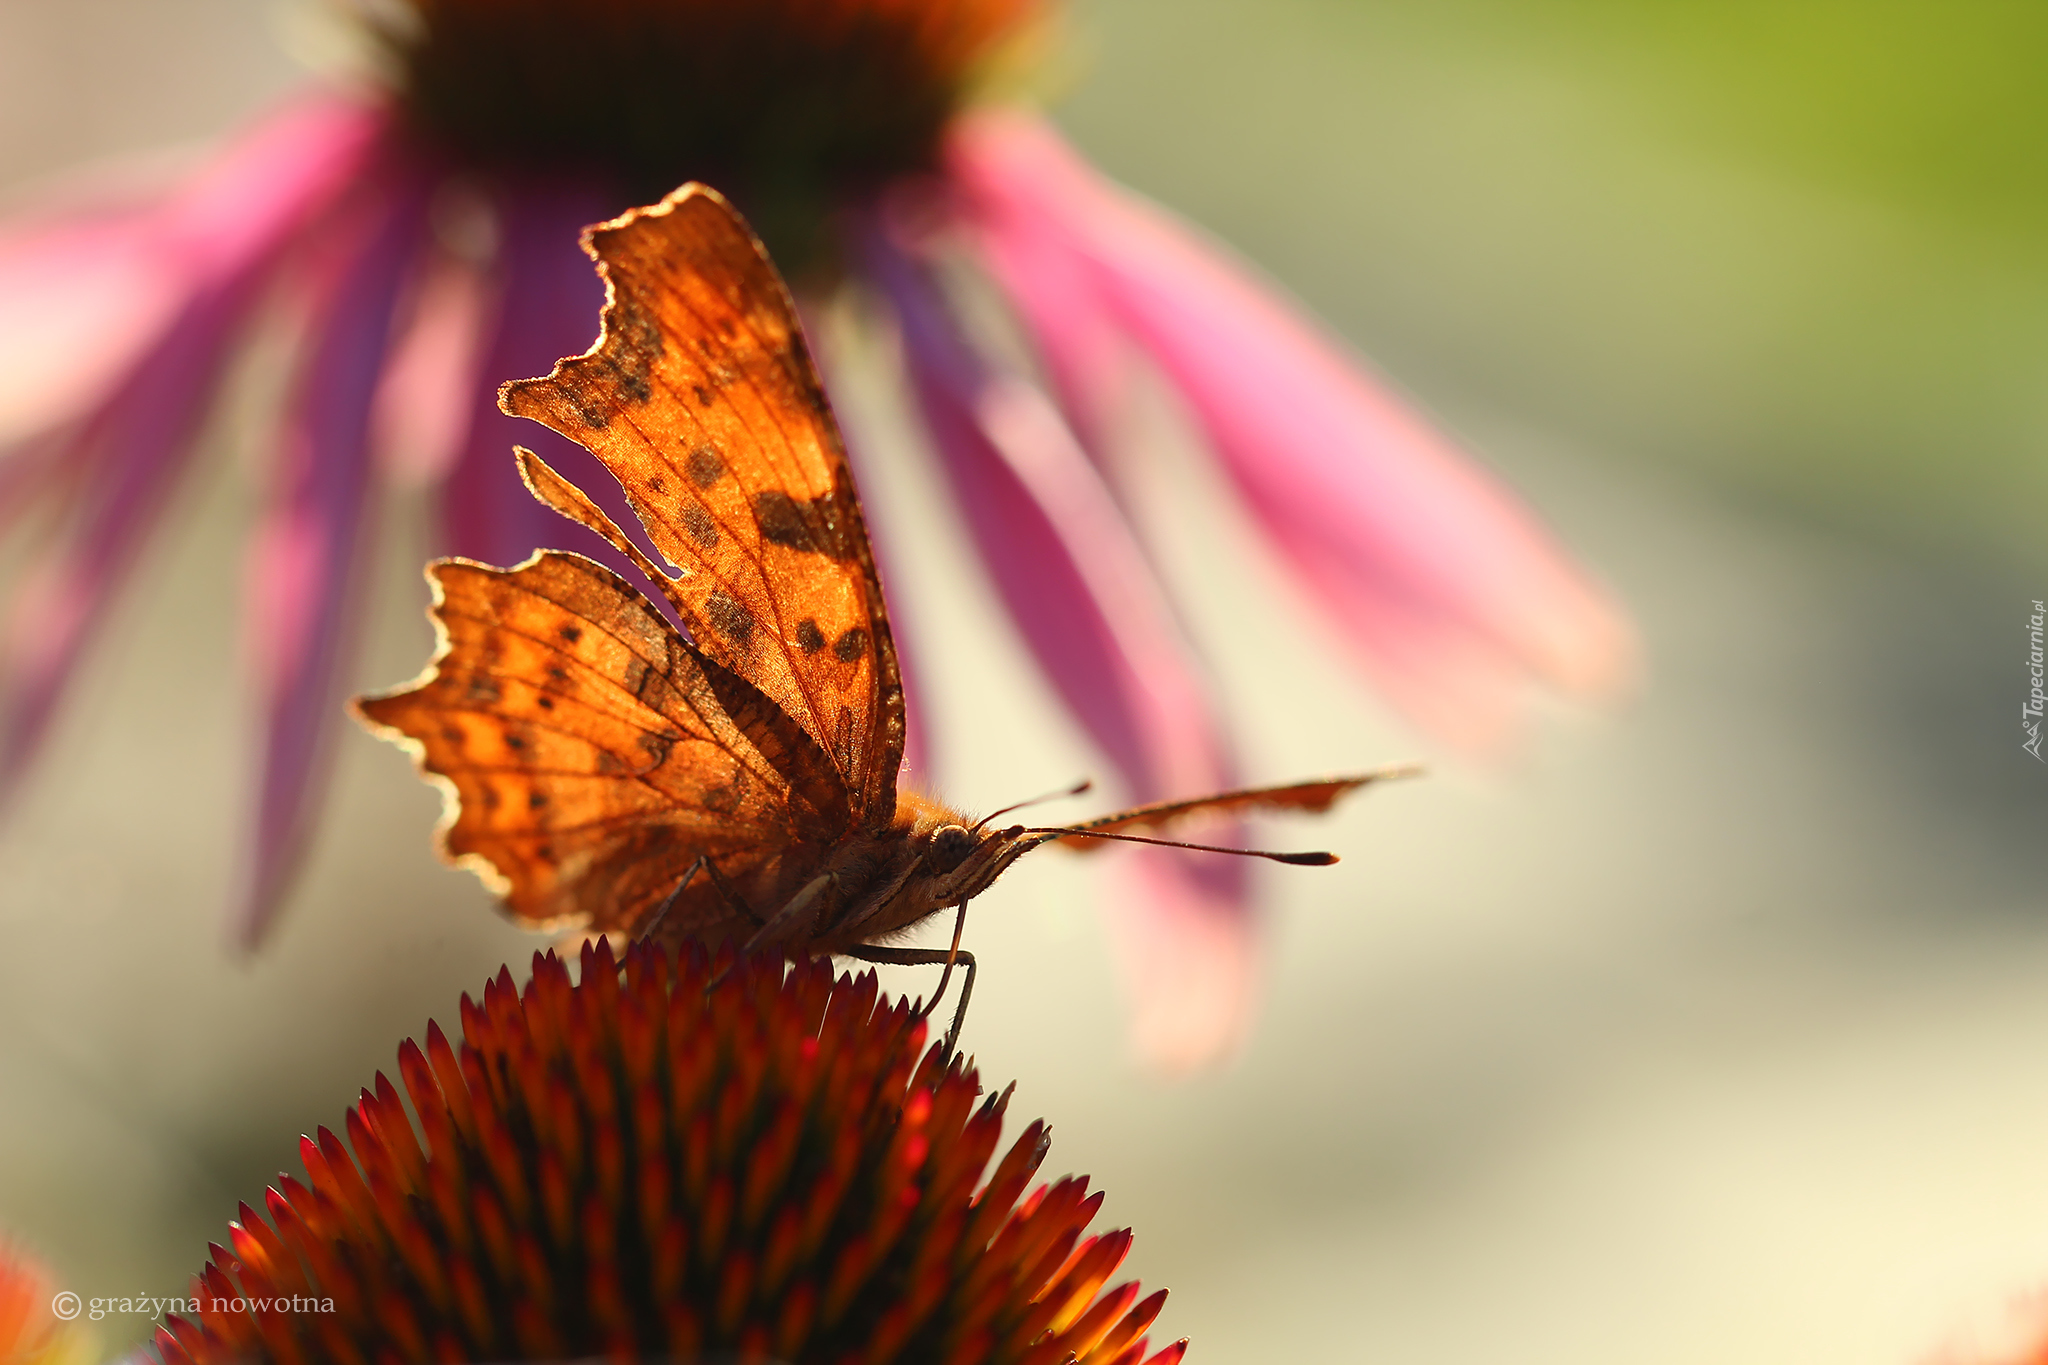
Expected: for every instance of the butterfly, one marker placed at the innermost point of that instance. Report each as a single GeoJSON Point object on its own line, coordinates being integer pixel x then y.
{"type": "Point", "coordinates": [736, 784]}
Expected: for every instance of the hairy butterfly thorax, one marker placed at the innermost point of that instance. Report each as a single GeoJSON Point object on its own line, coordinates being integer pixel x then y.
{"type": "Point", "coordinates": [734, 781]}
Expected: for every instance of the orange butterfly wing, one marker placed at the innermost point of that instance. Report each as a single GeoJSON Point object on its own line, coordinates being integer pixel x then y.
{"type": "Point", "coordinates": [702, 400]}
{"type": "Point", "coordinates": [592, 755]}
{"type": "Point", "coordinates": [1313, 797]}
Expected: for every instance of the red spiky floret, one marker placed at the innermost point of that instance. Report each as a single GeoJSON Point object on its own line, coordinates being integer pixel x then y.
{"type": "Point", "coordinates": [759, 1164]}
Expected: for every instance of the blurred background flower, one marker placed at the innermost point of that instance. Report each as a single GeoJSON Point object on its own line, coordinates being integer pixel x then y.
{"type": "Point", "coordinates": [31, 1333]}
{"type": "Point", "coordinates": [409, 241]}
{"type": "Point", "coordinates": [695, 1161]}
{"type": "Point", "coordinates": [1709, 1032]}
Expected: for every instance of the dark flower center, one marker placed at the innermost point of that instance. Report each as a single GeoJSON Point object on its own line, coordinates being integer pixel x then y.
{"type": "Point", "coordinates": [786, 105]}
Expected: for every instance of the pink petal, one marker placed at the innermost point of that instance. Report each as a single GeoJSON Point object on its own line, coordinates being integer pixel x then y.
{"type": "Point", "coordinates": [1448, 587]}
{"type": "Point", "coordinates": [121, 459]}
{"type": "Point", "coordinates": [1080, 591]}
{"type": "Point", "coordinates": [1190, 949]}
{"type": "Point", "coordinates": [420, 418]}
{"type": "Point", "coordinates": [548, 296]}
{"type": "Point", "coordinates": [82, 299]}
{"type": "Point", "coordinates": [303, 562]}
{"type": "Point", "coordinates": [1080, 343]}
{"type": "Point", "coordinates": [53, 610]}
{"type": "Point", "coordinates": [86, 291]}
{"type": "Point", "coordinates": [1062, 556]}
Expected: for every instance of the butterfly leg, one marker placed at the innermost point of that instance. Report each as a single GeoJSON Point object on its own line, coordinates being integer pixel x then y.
{"type": "Point", "coordinates": [773, 928]}
{"type": "Point", "coordinates": [793, 914]}
{"type": "Point", "coordinates": [927, 957]}
{"type": "Point", "coordinates": [952, 956]}
{"type": "Point", "coordinates": [730, 892]}
{"type": "Point", "coordinates": [725, 889]}
{"type": "Point", "coordinates": [703, 863]}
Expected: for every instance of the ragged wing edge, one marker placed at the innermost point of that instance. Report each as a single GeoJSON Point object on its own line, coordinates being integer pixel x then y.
{"type": "Point", "coordinates": [880, 799]}
{"type": "Point", "coordinates": [487, 872]}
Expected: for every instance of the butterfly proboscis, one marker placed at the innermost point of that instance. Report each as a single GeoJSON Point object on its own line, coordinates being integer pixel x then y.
{"type": "Point", "coordinates": [735, 781]}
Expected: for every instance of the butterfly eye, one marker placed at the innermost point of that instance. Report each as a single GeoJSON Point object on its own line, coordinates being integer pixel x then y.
{"type": "Point", "coordinates": [950, 845]}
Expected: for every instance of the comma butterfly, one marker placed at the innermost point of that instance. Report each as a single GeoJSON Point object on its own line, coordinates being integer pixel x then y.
{"type": "Point", "coordinates": [605, 772]}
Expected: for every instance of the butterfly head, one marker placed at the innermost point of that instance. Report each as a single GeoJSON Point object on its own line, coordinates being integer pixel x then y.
{"type": "Point", "coordinates": [948, 846]}
{"type": "Point", "coordinates": [961, 861]}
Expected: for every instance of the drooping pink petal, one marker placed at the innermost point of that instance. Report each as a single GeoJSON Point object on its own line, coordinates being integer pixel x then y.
{"type": "Point", "coordinates": [1452, 593]}
{"type": "Point", "coordinates": [1083, 596]}
{"type": "Point", "coordinates": [1192, 951]}
{"type": "Point", "coordinates": [548, 296]}
{"type": "Point", "coordinates": [82, 298]}
{"type": "Point", "coordinates": [117, 463]}
{"type": "Point", "coordinates": [84, 292]}
{"type": "Point", "coordinates": [420, 418]}
{"type": "Point", "coordinates": [1080, 343]}
{"type": "Point", "coordinates": [303, 561]}
{"type": "Point", "coordinates": [53, 610]}
{"type": "Point", "coordinates": [1057, 546]}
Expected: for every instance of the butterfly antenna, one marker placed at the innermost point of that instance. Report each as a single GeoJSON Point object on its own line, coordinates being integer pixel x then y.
{"type": "Point", "coordinates": [1084, 785]}
{"type": "Point", "coordinates": [1292, 859]}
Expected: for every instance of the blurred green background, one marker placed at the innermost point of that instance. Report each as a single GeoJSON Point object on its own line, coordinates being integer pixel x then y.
{"type": "Point", "coordinates": [1709, 1030]}
{"type": "Point", "coordinates": [1795, 247]}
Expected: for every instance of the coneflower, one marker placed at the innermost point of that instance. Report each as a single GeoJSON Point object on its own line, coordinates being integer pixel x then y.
{"type": "Point", "coordinates": [425, 230]}
{"type": "Point", "coordinates": [693, 1159]}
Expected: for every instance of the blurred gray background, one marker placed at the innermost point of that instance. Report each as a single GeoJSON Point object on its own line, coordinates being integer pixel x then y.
{"type": "Point", "coordinates": [1708, 1030]}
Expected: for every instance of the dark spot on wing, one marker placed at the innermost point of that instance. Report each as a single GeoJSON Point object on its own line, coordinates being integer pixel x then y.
{"type": "Point", "coordinates": [808, 637]}
{"type": "Point", "coordinates": [729, 618]}
{"type": "Point", "coordinates": [453, 734]}
{"type": "Point", "coordinates": [634, 345]}
{"type": "Point", "coordinates": [819, 525]}
{"type": "Point", "coordinates": [657, 748]}
{"type": "Point", "coordinates": [535, 800]}
{"type": "Point", "coordinates": [698, 523]}
{"type": "Point", "coordinates": [725, 798]}
{"type": "Point", "coordinates": [572, 633]}
{"type": "Point", "coordinates": [782, 521]}
{"type": "Point", "coordinates": [657, 484]}
{"type": "Point", "coordinates": [544, 702]}
{"type": "Point", "coordinates": [703, 395]}
{"type": "Point", "coordinates": [851, 645]}
{"type": "Point", "coordinates": [516, 743]}
{"type": "Point", "coordinates": [482, 688]}
{"type": "Point", "coordinates": [705, 467]}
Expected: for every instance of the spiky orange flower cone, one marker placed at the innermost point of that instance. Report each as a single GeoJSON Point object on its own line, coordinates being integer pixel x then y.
{"type": "Point", "coordinates": [765, 1170]}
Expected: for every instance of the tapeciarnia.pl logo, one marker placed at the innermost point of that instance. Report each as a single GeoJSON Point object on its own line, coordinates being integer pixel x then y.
{"type": "Point", "coordinates": [2037, 699]}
